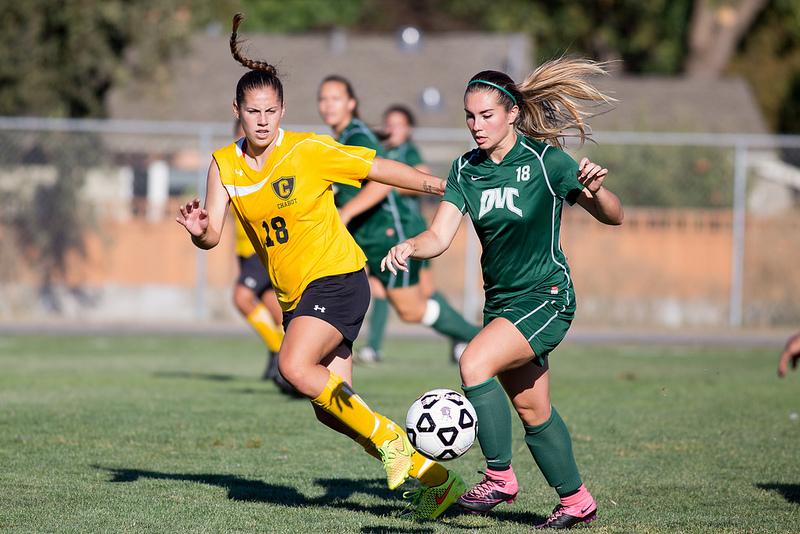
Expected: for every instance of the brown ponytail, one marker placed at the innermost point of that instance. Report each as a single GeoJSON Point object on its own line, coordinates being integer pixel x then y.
{"type": "Point", "coordinates": [261, 74]}
{"type": "Point", "coordinates": [552, 100]}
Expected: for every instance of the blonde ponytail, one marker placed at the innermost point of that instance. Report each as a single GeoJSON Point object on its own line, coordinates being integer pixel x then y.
{"type": "Point", "coordinates": [552, 100]}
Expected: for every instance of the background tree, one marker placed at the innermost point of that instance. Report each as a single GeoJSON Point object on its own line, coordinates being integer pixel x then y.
{"type": "Point", "coordinates": [717, 27]}
{"type": "Point", "coordinates": [60, 59]}
{"type": "Point", "coordinates": [769, 58]}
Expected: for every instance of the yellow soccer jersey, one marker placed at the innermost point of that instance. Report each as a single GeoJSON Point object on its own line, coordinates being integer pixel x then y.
{"type": "Point", "coordinates": [287, 209]}
{"type": "Point", "coordinates": [244, 247]}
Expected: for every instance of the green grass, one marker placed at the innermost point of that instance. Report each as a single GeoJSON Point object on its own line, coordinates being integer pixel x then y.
{"type": "Point", "coordinates": [177, 434]}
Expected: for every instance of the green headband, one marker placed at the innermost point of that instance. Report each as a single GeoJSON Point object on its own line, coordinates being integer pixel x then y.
{"type": "Point", "coordinates": [499, 88]}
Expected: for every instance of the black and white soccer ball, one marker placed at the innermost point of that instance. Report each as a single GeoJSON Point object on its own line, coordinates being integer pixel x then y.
{"type": "Point", "coordinates": [442, 424]}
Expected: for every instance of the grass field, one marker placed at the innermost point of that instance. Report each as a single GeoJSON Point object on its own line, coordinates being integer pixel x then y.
{"type": "Point", "coordinates": [177, 434]}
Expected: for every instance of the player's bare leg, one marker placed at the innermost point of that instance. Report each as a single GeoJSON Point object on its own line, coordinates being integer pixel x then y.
{"type": "Point", "coordinates": [790, 355]}
{"type": "Point", "coordinates": [426, 282]}
{"type": "Point", "coordinates": [413, 306]}
{"type": "Point", "coordinates": [499, 346]}
{"type": "Point", "coordinates": [308, 343]}
{"type": "Point", "coordinates": [507, 354]}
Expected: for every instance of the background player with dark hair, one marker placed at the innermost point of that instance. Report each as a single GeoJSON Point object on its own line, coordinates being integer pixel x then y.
{"type": "Point", "coordinates": [513, 187]}
{"type": "Point", "coordinates": [398, 121]}
{"type": "Point", "coordinates": [375, 216]}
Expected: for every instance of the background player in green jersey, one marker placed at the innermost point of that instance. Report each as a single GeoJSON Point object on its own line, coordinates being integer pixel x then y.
{"type": "Point", "coordinates": [513, 186]}
{"type": "Point", "coordinates": [397, 124]}
{"type": "Point", "coordinates": [378, 220]}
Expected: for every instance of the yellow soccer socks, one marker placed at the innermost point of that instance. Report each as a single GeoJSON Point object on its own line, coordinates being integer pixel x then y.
{"type": "Point", "coordinates": [390, 441]}
{"type": "Point", "coordinates": [429, 472]}
{"type": "Point", "coordinates": [262, 323]}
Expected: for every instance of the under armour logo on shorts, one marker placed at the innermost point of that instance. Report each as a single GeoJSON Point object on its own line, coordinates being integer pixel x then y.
{"type": "Point", "coordinates": [320, 309]}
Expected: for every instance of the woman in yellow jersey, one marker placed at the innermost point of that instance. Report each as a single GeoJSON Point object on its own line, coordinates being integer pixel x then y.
{"type": "Point", "coordinates": [279, 184]}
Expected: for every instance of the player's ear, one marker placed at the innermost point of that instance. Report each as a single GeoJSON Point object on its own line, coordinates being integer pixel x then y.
{"type": "Point", "coordinates": [236, 110]}
{"type": "Point", "coordinates": [513, 113]}
{"type": "Point", "coordinates": [351, 104]}
{"type": "Point", "coordinates": [283, 110]}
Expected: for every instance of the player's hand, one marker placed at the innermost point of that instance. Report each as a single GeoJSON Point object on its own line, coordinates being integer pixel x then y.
{"type": "Point", "coordinates": [194, 218]}
{"type": "Point", "coordinates": [397, 258]}
{"type": "Point", "coordinates": [591, 175]}
{"type": "Point", "coordinates": [790, 354]}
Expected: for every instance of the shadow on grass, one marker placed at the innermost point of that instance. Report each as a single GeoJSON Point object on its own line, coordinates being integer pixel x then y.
{"type": "Point", "coordinates": [396, 530]}
{"type": "Point", "coordinates": [790, 492]}
{"type": "Point", "coordinates": [337, 490]}
{"type": "Point", "coordinates": [523, 518]}
{"type": "Point", "coordinates": [254, 391]}
{"type": "Point", "coordinates": [195, 376]}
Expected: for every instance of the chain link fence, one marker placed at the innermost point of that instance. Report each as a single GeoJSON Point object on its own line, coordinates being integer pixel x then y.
{"type": "Point", "coordinates": [87, 229]}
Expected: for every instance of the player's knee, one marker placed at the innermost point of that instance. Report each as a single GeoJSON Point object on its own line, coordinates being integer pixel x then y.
{"type": "Point", "coordinates": [532, 415]}
{"type": "Point", "coordinates": [239, 301]}
{"type": "Point", "coordinates": [412, 314]}
{"type": "Point", "coordinates": [291, 371]}
{"type": "Point", "coordinates": [473, 368]}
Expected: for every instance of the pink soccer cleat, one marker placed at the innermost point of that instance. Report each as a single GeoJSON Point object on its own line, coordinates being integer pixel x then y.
{"type": "Point", "coordinates": [573, 510]}
{"type": "Point", "coordinates": [489, 492]}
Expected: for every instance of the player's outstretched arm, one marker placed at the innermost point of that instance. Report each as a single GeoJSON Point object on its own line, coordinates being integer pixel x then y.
{"type": "Point", "coordinates": [408, 192]}
{"type": "Point", "coordinates": [205, 224]}
{"type": "Point", "coordinates": [398, 174]}
{"type": "Point", "coordinates": [790, 355]}
{"type": "Point", "coordinates": [429, 244]}
{"type": "Point", "coordinates": [601, 203]}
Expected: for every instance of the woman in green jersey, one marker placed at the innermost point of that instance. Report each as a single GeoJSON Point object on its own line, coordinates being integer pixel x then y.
{"type": "Point", "coordinates": [513, 186]}
{"type": "Point", "coordinates": [398, 122]}
{"type": "Point", "coordinates": [378, 220]}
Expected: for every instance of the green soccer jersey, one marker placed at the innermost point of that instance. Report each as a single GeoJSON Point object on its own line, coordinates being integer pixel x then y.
{"type": "Point", "coordinates": [406, 153]}
{"type": "Point", "coordinates": [357, 134]}
{"type": "Point", "coordinates": [515, 207]}
{"type": "Point", "coordinates": [410, 211]}
{"type": "Point", "coordinates": [369, 228]}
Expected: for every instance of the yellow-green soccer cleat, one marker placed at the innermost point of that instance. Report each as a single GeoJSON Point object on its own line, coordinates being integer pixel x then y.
{"type": "Point", "coordinates": [396, 457]}
{"type": "Point", "coordinates": [430, 503]}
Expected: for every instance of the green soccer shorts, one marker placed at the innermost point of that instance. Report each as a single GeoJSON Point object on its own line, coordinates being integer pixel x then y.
{"type": "Point", "coordinates": [542, 319]}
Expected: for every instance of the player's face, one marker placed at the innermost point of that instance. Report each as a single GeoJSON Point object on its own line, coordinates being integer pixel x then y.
{"type": "Point", "coordinates": [260, 116]}
{"type": "Point", "coordinates": [487, 119]}
{"type": "Point", "coordinates": [335, 105]}
{"type": "Point", "coordinates": [397, 128]}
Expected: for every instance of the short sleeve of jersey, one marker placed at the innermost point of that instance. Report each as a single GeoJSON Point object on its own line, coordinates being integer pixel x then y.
{"type": "Point", "coordinates": [342, 164]}
{"type": "Point", "coordinates": [452, 191]}
{"type": "Point", "coordinates": [562, 171]}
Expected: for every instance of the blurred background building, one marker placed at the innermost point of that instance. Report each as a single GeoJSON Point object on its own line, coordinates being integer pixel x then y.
{"type": "Point", "coordinates": [110, 112]}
